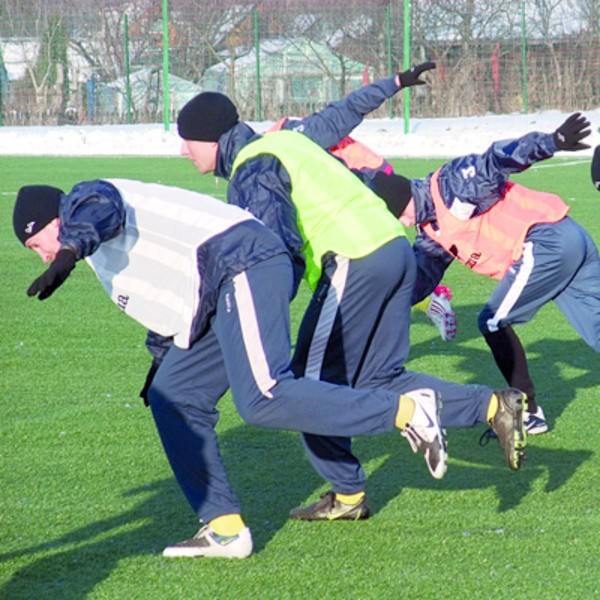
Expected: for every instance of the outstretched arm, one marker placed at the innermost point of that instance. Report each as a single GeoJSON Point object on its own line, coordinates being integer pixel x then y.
{"type": "Point", "coordinates": [339, 118]}
{"type": "Point", "coordinates": [506, 157]}
{"type": "Point", "coordinates": [477, 181]}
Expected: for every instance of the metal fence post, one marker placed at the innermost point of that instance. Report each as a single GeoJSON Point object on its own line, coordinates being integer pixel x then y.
{"type": "Point", "coordinates": [524, 59]}
{"type": "Point", "coordinates": [406, 64]}
{"type": "Point", "coordinates": [388, 20]}
{"type": "Point", "coordinates": [166, 93]}
{"type": "Point", "coordinates": [127, 68]}
{"type": "Point", "coordinates": [257, 52]}
{"type": "Point", "coordinates": [3, 82]}
{"type": "Point", "coordinates": [91, 95]}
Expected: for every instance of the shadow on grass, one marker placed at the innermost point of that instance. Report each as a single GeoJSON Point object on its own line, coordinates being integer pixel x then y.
{"type": "Point", "coordinates": [270, 474]}
{"type": "Point", "coordinates": [471, 467]}
{"type": "Point", "coordinates": [549, 359]}
{"type": "Point", "coordinates": [267, 469]}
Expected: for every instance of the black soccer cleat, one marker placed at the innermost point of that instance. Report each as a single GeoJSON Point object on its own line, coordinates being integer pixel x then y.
{"type": "Point", "coordinates": [329, 508]}
{"type": "Point", "coordinates": [509, 427]}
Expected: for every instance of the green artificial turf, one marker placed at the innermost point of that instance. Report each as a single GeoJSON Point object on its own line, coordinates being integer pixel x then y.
{"type": "Point", "coordinates": [88, 501]}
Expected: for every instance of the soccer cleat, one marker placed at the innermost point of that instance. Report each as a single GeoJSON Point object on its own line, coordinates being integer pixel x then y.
{"type": "Point", "coordinates": [207, 543]}
{"type": "Point", "coordinates": [329, 508]}
{"type": "Point", "coordinates": [535, 423]}
{"type": "Point", "coordinates": [424, 432]}
{"type": "Point", "coordinates": [440, 313]}
{"type": "Point", "coordinates": [508, 425]}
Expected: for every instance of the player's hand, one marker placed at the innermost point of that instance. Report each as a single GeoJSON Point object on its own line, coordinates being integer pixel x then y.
{"type": "Point", "coordinates": [569, 135]}
{"type": "Point", "coordinates": [412, 76]}
{"type": "Point", "coordinates": [596, 168]}
{"type": "Point", "coordinates": [53, 277]}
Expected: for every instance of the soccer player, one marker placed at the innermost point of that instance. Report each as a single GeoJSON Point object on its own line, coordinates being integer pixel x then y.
{"type": "Point", "coordinates": [332, 124]}
{"type": "Point", "coordinates": [217, 282]}
{"type": "Point", "coordinates": [346, 243]}
{"type": "Point", "coordinates": [469, 210]}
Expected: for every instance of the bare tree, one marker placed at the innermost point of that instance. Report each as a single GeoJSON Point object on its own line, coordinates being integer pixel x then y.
{"type": "Point", "coordinates": [462, 36]}
{"type": "Point", "coordinates": [545, 23]}
{"type": "Point", "coordinates": [39, 41]}
{"type": "Point", "coordinates": [209, 32]}
{"type": "Point", "coordinates": [589, 13]}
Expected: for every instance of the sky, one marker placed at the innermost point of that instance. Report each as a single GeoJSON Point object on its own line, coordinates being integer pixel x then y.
{"type": "Point", "coordinates": [445, 138]}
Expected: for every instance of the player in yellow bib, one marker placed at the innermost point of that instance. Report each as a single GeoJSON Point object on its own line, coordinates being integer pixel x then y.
{"type": "Point", "coordinates": [360, 265]}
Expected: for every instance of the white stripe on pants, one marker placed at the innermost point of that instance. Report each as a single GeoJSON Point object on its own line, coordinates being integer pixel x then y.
{"type": "Point", "coordinates": [251, 335]}
{"type": "Point", "coordinates": [322, 333]}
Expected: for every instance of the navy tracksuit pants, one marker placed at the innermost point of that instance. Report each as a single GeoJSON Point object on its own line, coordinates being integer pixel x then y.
{"type": "Point", "coordinates": [356, 332]}
{"type": "Point", "coordinates": [560, 263]}
{"type": "Point", "coordinates": [247, 348]}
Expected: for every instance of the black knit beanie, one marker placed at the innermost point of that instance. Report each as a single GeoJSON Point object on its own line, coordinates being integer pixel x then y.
{"type": "Point", "coordinates": [206, 117]}
{"type": "Point", "coordinates": [395, 190]}
{"type": "Point", "coordinates": [35, 207]}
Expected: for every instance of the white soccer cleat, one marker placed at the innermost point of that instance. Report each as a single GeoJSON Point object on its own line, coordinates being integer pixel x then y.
{"type": "Point", "coordinates": [440, 313]}
{"type": "Point", "coordinates": [535, 423]}
{"type": "Point", "coordinates": [424, 432]}
{"type": "Point", "coordinates": [207, 543]}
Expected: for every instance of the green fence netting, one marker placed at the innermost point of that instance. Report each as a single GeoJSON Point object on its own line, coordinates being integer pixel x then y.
{"type": "Point", "coordinates": [140, 64]}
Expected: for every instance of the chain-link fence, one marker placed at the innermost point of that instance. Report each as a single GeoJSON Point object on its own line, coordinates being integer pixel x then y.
{"type": "Point", "coordinates": [141, 63]}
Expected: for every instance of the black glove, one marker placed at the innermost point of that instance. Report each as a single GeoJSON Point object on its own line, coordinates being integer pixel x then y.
{"type": "Point", "coordinates": [411, 77]}
{"type": "Point", "coordinates": [596, 168]}
{"type": "Point", "coordinates": [149, 377]}
{"type": "Point", "coordinates": [53, 277]}
{"type": "Point", "coordinates": [569, 135]}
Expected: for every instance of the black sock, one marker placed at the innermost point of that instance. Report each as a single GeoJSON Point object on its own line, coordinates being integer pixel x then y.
{"type": "Point", "coordinates": [509, 355]}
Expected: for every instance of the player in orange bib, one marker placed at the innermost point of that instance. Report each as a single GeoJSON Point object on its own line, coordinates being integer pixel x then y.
{"type": "Point", "coordinates": [469, 210]}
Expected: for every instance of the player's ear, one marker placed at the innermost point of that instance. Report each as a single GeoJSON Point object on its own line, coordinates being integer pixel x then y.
{"type": "Point", "coordinates": [55, 225]}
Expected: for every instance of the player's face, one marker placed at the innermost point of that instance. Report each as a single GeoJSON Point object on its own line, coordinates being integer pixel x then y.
{"type": "Point", "coordinates": [202, 154]}
{"type": "Point", "coordinates": [45, 242]}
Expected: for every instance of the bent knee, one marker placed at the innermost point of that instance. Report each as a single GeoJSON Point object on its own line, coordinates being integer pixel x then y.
{"type": "Point", "coordinates": [262, 407]}
{"type": "Point", "coordinates": [253, 412]}
{"type": "Point", "coordinates": [484, 322]}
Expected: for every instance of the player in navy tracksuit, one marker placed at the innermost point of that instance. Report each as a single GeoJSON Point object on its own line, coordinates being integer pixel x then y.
{"type": "Point", "coordinates": [557, 258]}
{"type": "Point", "coordinates": [333, 124]}
{"type": "Point", "coordinates": [473, 183]}
{"type": "Point", "coordinates": [217, 283]}
{"type": "Point", "coordinates": [358, 319]}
